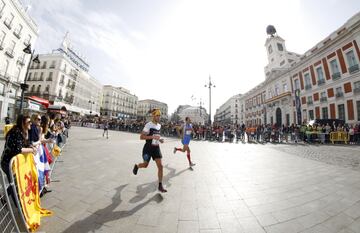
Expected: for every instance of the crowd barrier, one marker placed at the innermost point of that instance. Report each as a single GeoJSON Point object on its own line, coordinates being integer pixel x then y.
{"type": "Point", "coordinates": [339, 137]}
{"type": "Point", "coordinates": [12, 217]}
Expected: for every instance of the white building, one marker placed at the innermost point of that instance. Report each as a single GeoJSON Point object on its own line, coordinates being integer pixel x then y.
{"type": "Point", "coordinates": [118, 102]}
{"type": "Point", "coordinates": [62, 78]}
{"type": "Point", "coordinates": [144, 106]}
{"type": "Point", "coordinates": [17, 30]}
{"type": "Point", "coordinates": [229, 112]}
{"type": "Point", "coordinates": [197, 115]}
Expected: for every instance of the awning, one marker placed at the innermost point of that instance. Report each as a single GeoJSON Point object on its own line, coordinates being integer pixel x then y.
{"type": "Point", "coordinates": [42, 101]}
{"type": "Point", "coordinates": [57, 108]}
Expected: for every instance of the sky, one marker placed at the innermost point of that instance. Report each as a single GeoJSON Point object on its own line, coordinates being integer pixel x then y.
{"type": "Point", "coordinates": [167, 49]}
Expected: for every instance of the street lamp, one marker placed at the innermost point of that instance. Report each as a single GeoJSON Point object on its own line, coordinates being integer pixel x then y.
{"type": "Point", "coordinates": [25, 86]}
{"type": "Point", "coordinates": [91, 103]}
{"type": "Point", "coordinates": [209, 85]}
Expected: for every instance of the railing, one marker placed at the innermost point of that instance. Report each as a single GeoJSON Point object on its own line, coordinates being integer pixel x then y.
{"type": "Point", "coordinates": [308, 87]}
{"type": "Point", "coordinates": [49, 78]}
{"type": "Point", "coordinates": [310, 103]}
{"type": "Point", "coordinates": [21, 61]}
{"type": "Point", "coordinates": [339, 137]}
{"type": "Point", "coordinates": [321, 81]}
{"type": "Point", "coordinates": [323, 99]}
{"type": "Point", "coordinates": [10, 52]}
{"type": "Point", "coordinates": [17, 34]}
{"type": "Point", "coordinates": [354, 68]}
{"type": "Point", "coordinates": [335, 76]}
{"type": "Point", "coordinates": [339, 94]}
{"type": "Point", "coordinates": [8, 24]}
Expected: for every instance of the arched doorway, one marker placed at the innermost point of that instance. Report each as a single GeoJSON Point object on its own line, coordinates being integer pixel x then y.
{"type": "Point", "coordinates": [278, 117]}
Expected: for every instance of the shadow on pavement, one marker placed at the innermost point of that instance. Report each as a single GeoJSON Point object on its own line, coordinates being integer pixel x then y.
{"type": "Point", "coordinates": [95, 221]}
{"type": "Point", "coordinates": [144, 189]}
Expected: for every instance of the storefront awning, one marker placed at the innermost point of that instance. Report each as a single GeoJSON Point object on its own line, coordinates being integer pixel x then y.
{"type": "Point", "coordinates": [42, 101]}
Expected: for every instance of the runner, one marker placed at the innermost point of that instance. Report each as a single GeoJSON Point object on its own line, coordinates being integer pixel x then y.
{"type": "Point", "coordinates": [106, 129]}
{"type": "Point", "coordinates": [151, 133]}
{"type": "Point", "coordinates": [187, 130]}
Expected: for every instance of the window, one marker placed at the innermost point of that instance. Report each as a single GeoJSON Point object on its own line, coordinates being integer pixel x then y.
{"type": "Point", "coordinates": [28, 40]}
{"type": "Point", "coordinates": [341, 110]}
{"type": "Point", "coordinates": [29, 77]}
{"type": "Point", "coordinates": [270, 49]}
{"type": "Point", "coordinates": [358, 109]}
{"type": "Point", "coordinates": [307, 81]}
{"type": "Point", "coordinates": [35, 76]}
{"type": "Point", "coordinates": [8, 20]}
{"type": "Point", "coordinates": [47, 89]}
{"type": "Point", "coordinates": [351, 58]}
{"type": "Point", "coordinates": [12, 46]}
{"type": "Point", "coordinates": [2, 38]}
{"type": "Point", "coordinates": [2, 87]}
{"type": "Point", "coordinates": [334, 66]}
{"type": "Point", "coordinates": [33, 88]}
{"type": "Point", "coordinates": [323, 94]}
{"type": "Point", "coordinates": [297, 84]}
{"type": "Point", "coordinates": [52, 65]}
{"type": "Point", "coordinates": [280, 47]}
{"type": "Point", "coordinates": [310, 100]}
{"type": "Point", "coordinates": [2, 6]}
{"type": "Point", "coordinates": [17, 31]}
{"type": "Point", "coordinates": [338, 91]}
{"type": "Point", "coordinates": [44, 65]}
{"type": "Point", "coordinates": [320, 74]}
{"type": "Point", "coordinates": [285, 87]}
{"type": "Point", "coordinates": [38, 89]}
{"type": "Point", "coordinates": [325, 114]}
{"type": "Point", "coordinates": [282, 62]}
{"type": "Point", "coordinates": [277, 92]}
{"type": "Point", "coordinates": [311, 114]}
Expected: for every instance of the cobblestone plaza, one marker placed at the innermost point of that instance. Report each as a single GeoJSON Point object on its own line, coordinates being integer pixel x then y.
{"type": "Point", "coordinates": [233, 187]}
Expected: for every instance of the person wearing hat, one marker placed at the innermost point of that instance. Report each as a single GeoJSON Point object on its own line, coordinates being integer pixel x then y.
{"type": "Point", "coordinates": [151, 149]}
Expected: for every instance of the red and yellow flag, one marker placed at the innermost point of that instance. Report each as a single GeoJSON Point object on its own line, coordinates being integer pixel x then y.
{"type": "Point", "coordinates": [28, 190]}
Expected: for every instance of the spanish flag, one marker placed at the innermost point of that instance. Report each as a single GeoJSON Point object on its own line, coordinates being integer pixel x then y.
{"type": "Point", "coordinates": [28, 190]}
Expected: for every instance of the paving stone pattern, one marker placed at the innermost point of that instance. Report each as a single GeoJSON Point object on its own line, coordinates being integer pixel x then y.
{"type": "Point", "coordinates": [234, 188]}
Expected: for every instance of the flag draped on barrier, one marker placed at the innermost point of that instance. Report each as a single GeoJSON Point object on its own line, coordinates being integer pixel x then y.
{"type": "Point", "coordinates": [28, 190]}
{"type": "Point", "coordinates": [42, 165]}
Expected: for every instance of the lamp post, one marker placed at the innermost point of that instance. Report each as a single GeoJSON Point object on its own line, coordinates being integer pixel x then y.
{"type": "Point", "coordinates": [91, 103]}
{"type": "Point", "coordinates": [24, 86]}
{"type": "Point", "coordinates": [209, 85]}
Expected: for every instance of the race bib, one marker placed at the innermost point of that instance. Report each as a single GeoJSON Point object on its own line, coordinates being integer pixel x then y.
{"type": "Point", "coordinates": [188, 132]}
{"type": "Point", "coordinates": [154, 141]}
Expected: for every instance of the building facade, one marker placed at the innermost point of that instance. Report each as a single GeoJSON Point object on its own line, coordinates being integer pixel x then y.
{"type": "Point", "coordinates": [62, 78]}
{"type": "Point", "coordinates": [144, 106]}
{"type": "Point", "coordinates": [197, 115]}
{"type": "Point", "coordinates": [119, 103]}
{"type": "Point", "coordinates": [17, 31]}
{"type": "Point", "coordinates": [324, 82]}
{"type": "Point", "coordinates": [229, 112]}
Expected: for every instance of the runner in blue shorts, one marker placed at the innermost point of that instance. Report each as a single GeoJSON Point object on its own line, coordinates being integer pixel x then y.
{"type": "Point", "coordinates": [187, 130]}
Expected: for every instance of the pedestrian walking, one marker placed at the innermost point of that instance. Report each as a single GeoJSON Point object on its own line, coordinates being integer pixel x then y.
{"type": "Point", "coordinates": [151, 149]}
{"type": "Point", "coordinates": [185, 135]}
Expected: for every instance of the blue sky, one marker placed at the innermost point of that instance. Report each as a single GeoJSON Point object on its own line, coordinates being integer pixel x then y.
{"type": "Point", "coordinates": [166, 49]}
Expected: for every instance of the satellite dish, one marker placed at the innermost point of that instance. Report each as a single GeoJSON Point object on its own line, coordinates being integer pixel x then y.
{"type": "Point", "coordinates": [270, 30]}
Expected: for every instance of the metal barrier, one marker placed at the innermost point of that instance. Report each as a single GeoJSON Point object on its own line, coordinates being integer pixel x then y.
{"type": "Point", "coordinates": [339, 137]}
{"type": "Point", "coordinates": [7, 219]}
{"type": "Point", "coordinates": [8, 222]}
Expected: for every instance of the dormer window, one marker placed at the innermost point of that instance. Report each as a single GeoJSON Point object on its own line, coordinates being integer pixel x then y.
{"type": "Point", "coordinates": [280, 47]}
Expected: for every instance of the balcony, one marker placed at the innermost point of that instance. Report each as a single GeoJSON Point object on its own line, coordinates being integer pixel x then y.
{"type": "Point", "coordinates": [10, 53]}
{"type": "Point", "coordinates": [323, 99]}
{"type": "Point", "coordinates": [310, 102]}
{"type": "Point", "coordinates": [354, 68]}
{"type": "Point", "coordinates": [73, 87]}
{"type": "Point", "coordinates": [8, 24]}
{"type": "Point", "coordinates": [321, 82]}
{"type": "Point", "coordinates": [49, 78]}
{"type": "Point", "coordinates": [43, 66]}
{"type": "Point", "coordinates": [335, 76]}
{"type": "Point", "coordinates": [17, 34]}
{"type": "Point", "coordinates": [52, 67]}
{"type": "Point", "coordinates": [21, 61]}
{"type": "Point", "coordinates": [357, 90]}
{"type": "Point", "coordinates": [308, 87]}
{"type": "Point", "coordinates": [339, 94]}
